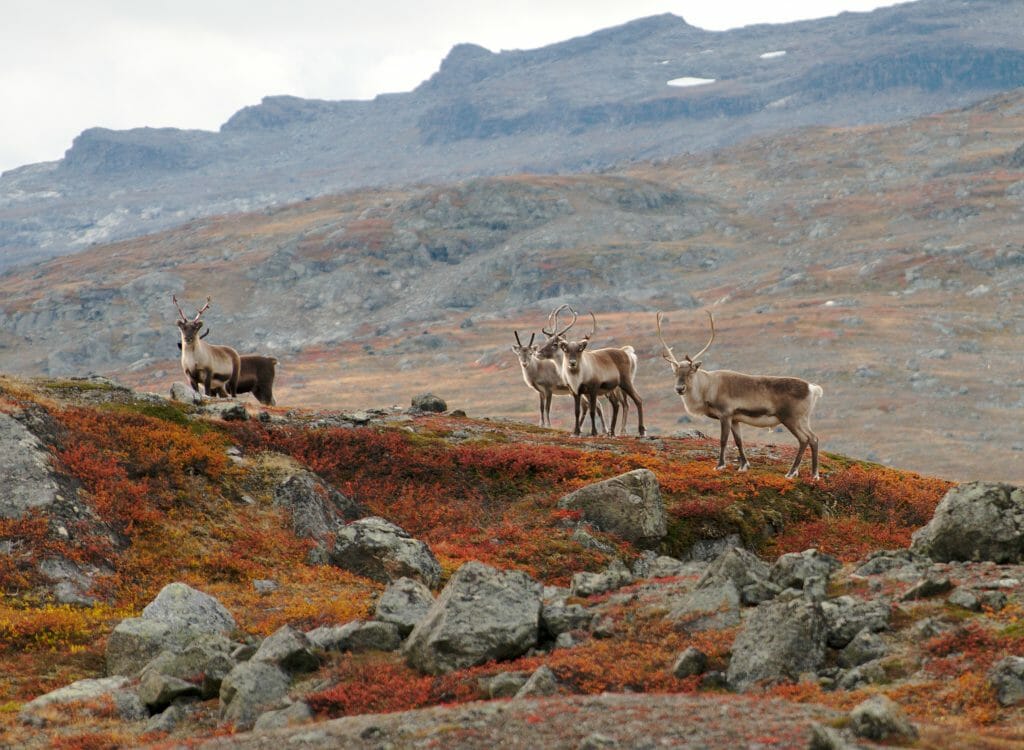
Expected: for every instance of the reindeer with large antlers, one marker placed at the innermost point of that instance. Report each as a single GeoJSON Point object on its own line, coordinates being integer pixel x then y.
{"type": "Point", "coordinates": [202, 362]}
{"type": "Point", "coordinates": [542, 374]}
{"type": "Point", "coordinates": [595, 372]}
{"type": "Point", "coordinates": [734, 398]}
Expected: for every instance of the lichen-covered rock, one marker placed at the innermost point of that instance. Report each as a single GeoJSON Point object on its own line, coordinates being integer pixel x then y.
{"type": "Point", "coordinates": [179, 602]}
{"type": "Point", "coordinates": [846, 616]}
{"type": "Point", "coordinates": [614, 577]}
{"type": "Point", "coordinates": [404, 603]}
{"type": "Point", "coordinates": [357, 636]}
{"type": "Point", "coordinates": [292, 715]}
{"type": "Point", "coordinates": [378, 549]}
{"type": "Point", "coordinates": [796, 569]}
{"type": "Point", "coordinates": [316, 509]}
{"type": "Point", "coordinates": [975, 521]}
{"type": "Point", "coordinates": [289, 650]}
{"type": "Point", "coordinates": [745, 571]}
{"type": "Point", "coordinates": [690, 662]}
{"type": "Point", "coordinates": [481, 615]}
{"type": "Point", "coordinates": [708, 608]}
{"type": "Point", "coordinates": [542, 682]}
{"type": "Point", "coordinates": [1007, 678]}
{"type": "Point", "coordinates": [184, 393]}
{"type": "Point", "coordinates": [429, 402]}
{"type": "Point", "coordinates": [137, 640]}
{"type": "Point", "coordinates": [158, 690]}
{"type": "Point", "coordinates": [84, 698]}
{"type": "Point", "coordinates": [250, 689]}
{"type": "Point", "coordinates": [881, 718]}
{"type": "Point", "coordinates": [781, 640]}
{"type": "Point", "coordinates": [27, 481]}
{"type": "Point", "coordinates": [629, 505]}
{"type": "Point", "coordinates": [864, 647]}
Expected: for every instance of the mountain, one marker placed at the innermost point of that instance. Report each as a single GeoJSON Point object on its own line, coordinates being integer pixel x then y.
{"type": "Point", "coordinates": [582, 105]}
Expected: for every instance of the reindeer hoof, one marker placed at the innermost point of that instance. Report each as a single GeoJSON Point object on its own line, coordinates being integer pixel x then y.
{"type": "Point", "coordinates": [744, 467]}
{"type": "Point", "coordinates": [791, 475]}
{"type": "Point", "coordinates": [719, 467]}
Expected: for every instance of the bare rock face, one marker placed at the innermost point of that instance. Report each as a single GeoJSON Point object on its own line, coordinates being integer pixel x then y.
{"type": "Point", "coordinates": [975, 521]}
{"type": "Point", "coordinates": [378, 549]}
{"type": "Point", "coordinates": [481, 615]}
{"type": "Point", "coordinates": [26, 477]}
{"type": "Point", "coordinates": [317, 510]}
{"type": "Point", "coordinates": [629, 505]}
{"type": "Point", "coordinates": [782, 639]}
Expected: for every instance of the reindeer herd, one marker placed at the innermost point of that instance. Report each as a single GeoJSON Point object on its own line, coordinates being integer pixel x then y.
{"type": "Point", "coordinates": [563, 366]}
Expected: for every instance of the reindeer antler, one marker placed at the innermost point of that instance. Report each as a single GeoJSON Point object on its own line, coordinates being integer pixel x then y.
{"type": "Point", "coordinates": [594, 330]}
{"type": "Point", "coordinates": [711, 318]}
{"type": "Point", "coordinates": [554, 316]}
{"type": "Point", "coordinates": [174, 299]}
{"type": "Point", "coordinates": [202, 309]}
{"type": "Point", "coordinates": [668, 355]}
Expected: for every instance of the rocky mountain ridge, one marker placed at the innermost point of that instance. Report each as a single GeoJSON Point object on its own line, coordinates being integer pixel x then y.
{"type": "Point", "coordinates": [578, 106]}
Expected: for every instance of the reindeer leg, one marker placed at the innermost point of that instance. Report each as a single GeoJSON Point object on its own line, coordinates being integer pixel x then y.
{"type": "Point", "coordinates": [625, 411]}
{"type": "Point", "coordinates": [615, 413]}
{"type": "Point", "coordinates": [631, 392]}
{"type": "Point", "coordinates": [547, 409]}
{"type": "Point", "coordinates": [744, 464]}
{"type": "Point", "coordinates": [726, 424]}
{"type": "Point", "coordinates": [803, 440]}
{"type": "Point", "coordinates": [594, 406]}
{"type": "Point", "coordinates": [540, 395]}
{"type": "Point", "coordinates": [576, 398]}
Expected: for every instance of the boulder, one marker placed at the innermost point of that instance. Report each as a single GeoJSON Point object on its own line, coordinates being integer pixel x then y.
{"type": "Point", "coordinates": [781, 640]}
{"type": "Point", "coordinates": [84, 698]}
{"type": "Point", "coordinates": [864, 647]}
{"type": "Point", "coordinates": [541, 683]}
{"type": "Point", "coordinates": [650, 565]}
{"type": "Point", "coordinates": [296, 713]}
{"type": "Point", "coordinates": [976, 601]}
{"type": "Point", "coordinates": [429, 402]}
{"type": "Point", "coordinates": [357, 637]}
{"type": "Point", "coordinates": [377, 549]}
{"type": "Point", "coordinates": [1007, 678]}
{"type": "Point", "coordinates": [158, 690]}
{"type": "Point", "coordinates": [316, 510]}
{"type": "Point", "coordinates": [481, 615]}
{"type": "Point", "coordinates": [557, 617]}
{"type": "Point", "coordinates": [629, 505]}
{"type": "Point", "coordinates": [796, 569]}
{"type": "Point", "coordinates": [250, 689]}
{"type": "Point", "coordinates": [745, 571]}
{"type": "Point", "coordinates": [691, 662]}
{"type": "Point", "coordinates": [880, 718]}
{"type": "Point", "coordinates": [178, 602]}
{"type": "Point", "coordinates": [204, 661]}
{"type": "Point", "coordinates": [185, 393]}
{"type": "Point", "coordinates": [708, 608]}
{"type": "Point", "coordinates": [929, 586]}
{"type": "Point", "coordinates": [505, 684]}
{"type": "Point", "coordinates": [975, 521]}
{"type": "Point", "coordinates": [614, 577]}
{"type": "Point", "coordinates": [289, 650]}
{"type": "Point", "coordinates": [403, 604]}
{"type": "Point", "coordinates": [846, 616]}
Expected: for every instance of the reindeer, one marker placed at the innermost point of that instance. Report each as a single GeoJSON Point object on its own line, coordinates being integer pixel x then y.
{"type": "Point", "coordinates": [256, 375]}
{"type": "Point", "coordinates": [541, 373]}
{"type": "Point", "coordinates": [734, 398]}
{"type": "Point", "coordinates": [596, 372]}
{"type": "Point", "coordinates": [200, 360]}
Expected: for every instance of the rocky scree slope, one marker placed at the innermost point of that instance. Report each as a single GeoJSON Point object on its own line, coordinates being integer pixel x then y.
{"type": "Point", "coordinates": [224, 585]}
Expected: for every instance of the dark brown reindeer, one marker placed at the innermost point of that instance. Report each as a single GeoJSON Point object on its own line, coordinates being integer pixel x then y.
{"type": "Point", "coordinates": [202, 362]}
{"type": "Point", "coordinates": [734, 398]}
{"type": "Point", "coordinates": [596, 372]}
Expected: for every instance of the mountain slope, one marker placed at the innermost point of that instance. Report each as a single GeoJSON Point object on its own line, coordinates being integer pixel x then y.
{"type": "Point", "coordinates": [577, 106]}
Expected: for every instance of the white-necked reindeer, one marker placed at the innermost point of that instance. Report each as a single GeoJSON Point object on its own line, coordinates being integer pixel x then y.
{"type": "Point", "coordinates": [542, 374]}
{"type": "Point", "coordinates": [596, 372]}
{"type": "Point", "coordinates": [734, 398]}
{"type": "Point", "coordinates": [204, 363]}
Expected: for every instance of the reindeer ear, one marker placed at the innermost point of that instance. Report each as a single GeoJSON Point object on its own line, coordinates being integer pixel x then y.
{"type": "Point", "coordinates": [583, 344]}
{"type": "Point", "coordinates": [696, 365]}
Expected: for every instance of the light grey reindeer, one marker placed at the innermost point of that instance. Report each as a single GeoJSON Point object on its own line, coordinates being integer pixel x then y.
{"type": "Point", "coordinates": [734, 398]}
{"type": "Point", "coordinates": [202, 362]}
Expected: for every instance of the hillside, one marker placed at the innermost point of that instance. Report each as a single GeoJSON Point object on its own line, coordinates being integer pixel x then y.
{"type": "Point", "coordinates": [579, 106]}
{"type": "Point", "coordinates": [881, 262]}
{"type": "Point", "coordinates": [147, 492]}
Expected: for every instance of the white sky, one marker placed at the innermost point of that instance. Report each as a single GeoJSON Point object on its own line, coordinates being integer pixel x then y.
{"type": "Point", "coordinates": [67, 65]}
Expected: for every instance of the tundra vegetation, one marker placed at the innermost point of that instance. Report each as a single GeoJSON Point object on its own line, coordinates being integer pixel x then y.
{"type": "Point", "coordinates": [175, 495]}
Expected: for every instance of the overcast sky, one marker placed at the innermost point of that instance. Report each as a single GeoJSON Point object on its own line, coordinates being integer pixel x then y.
{"type": "Point", "coordinates": [67, 65]}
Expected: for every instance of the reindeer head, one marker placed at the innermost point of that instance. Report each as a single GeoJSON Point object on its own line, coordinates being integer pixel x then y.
{"type": "Point", "coordinates": [685, 370]}
{"type": "Point", "coordinates": [525, 353]}
{"type": "Point", "coordinates": [572, 351]}
{"type": "Point", "coordinates": [551, 347]}
{"type": "Point", "coordinates": [190, 328]}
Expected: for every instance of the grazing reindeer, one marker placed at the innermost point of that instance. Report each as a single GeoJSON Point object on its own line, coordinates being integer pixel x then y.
{"type": "Point", "coordinates": [543, 376]}
{"type": "Point", "coordinates": [202, 362]}
{"type": "Point", "coordinates": [255, 375]}
{"type": "Point", "coordinates": [599, 371]}
{"type": "Point", "coordinates": [734, 398]}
